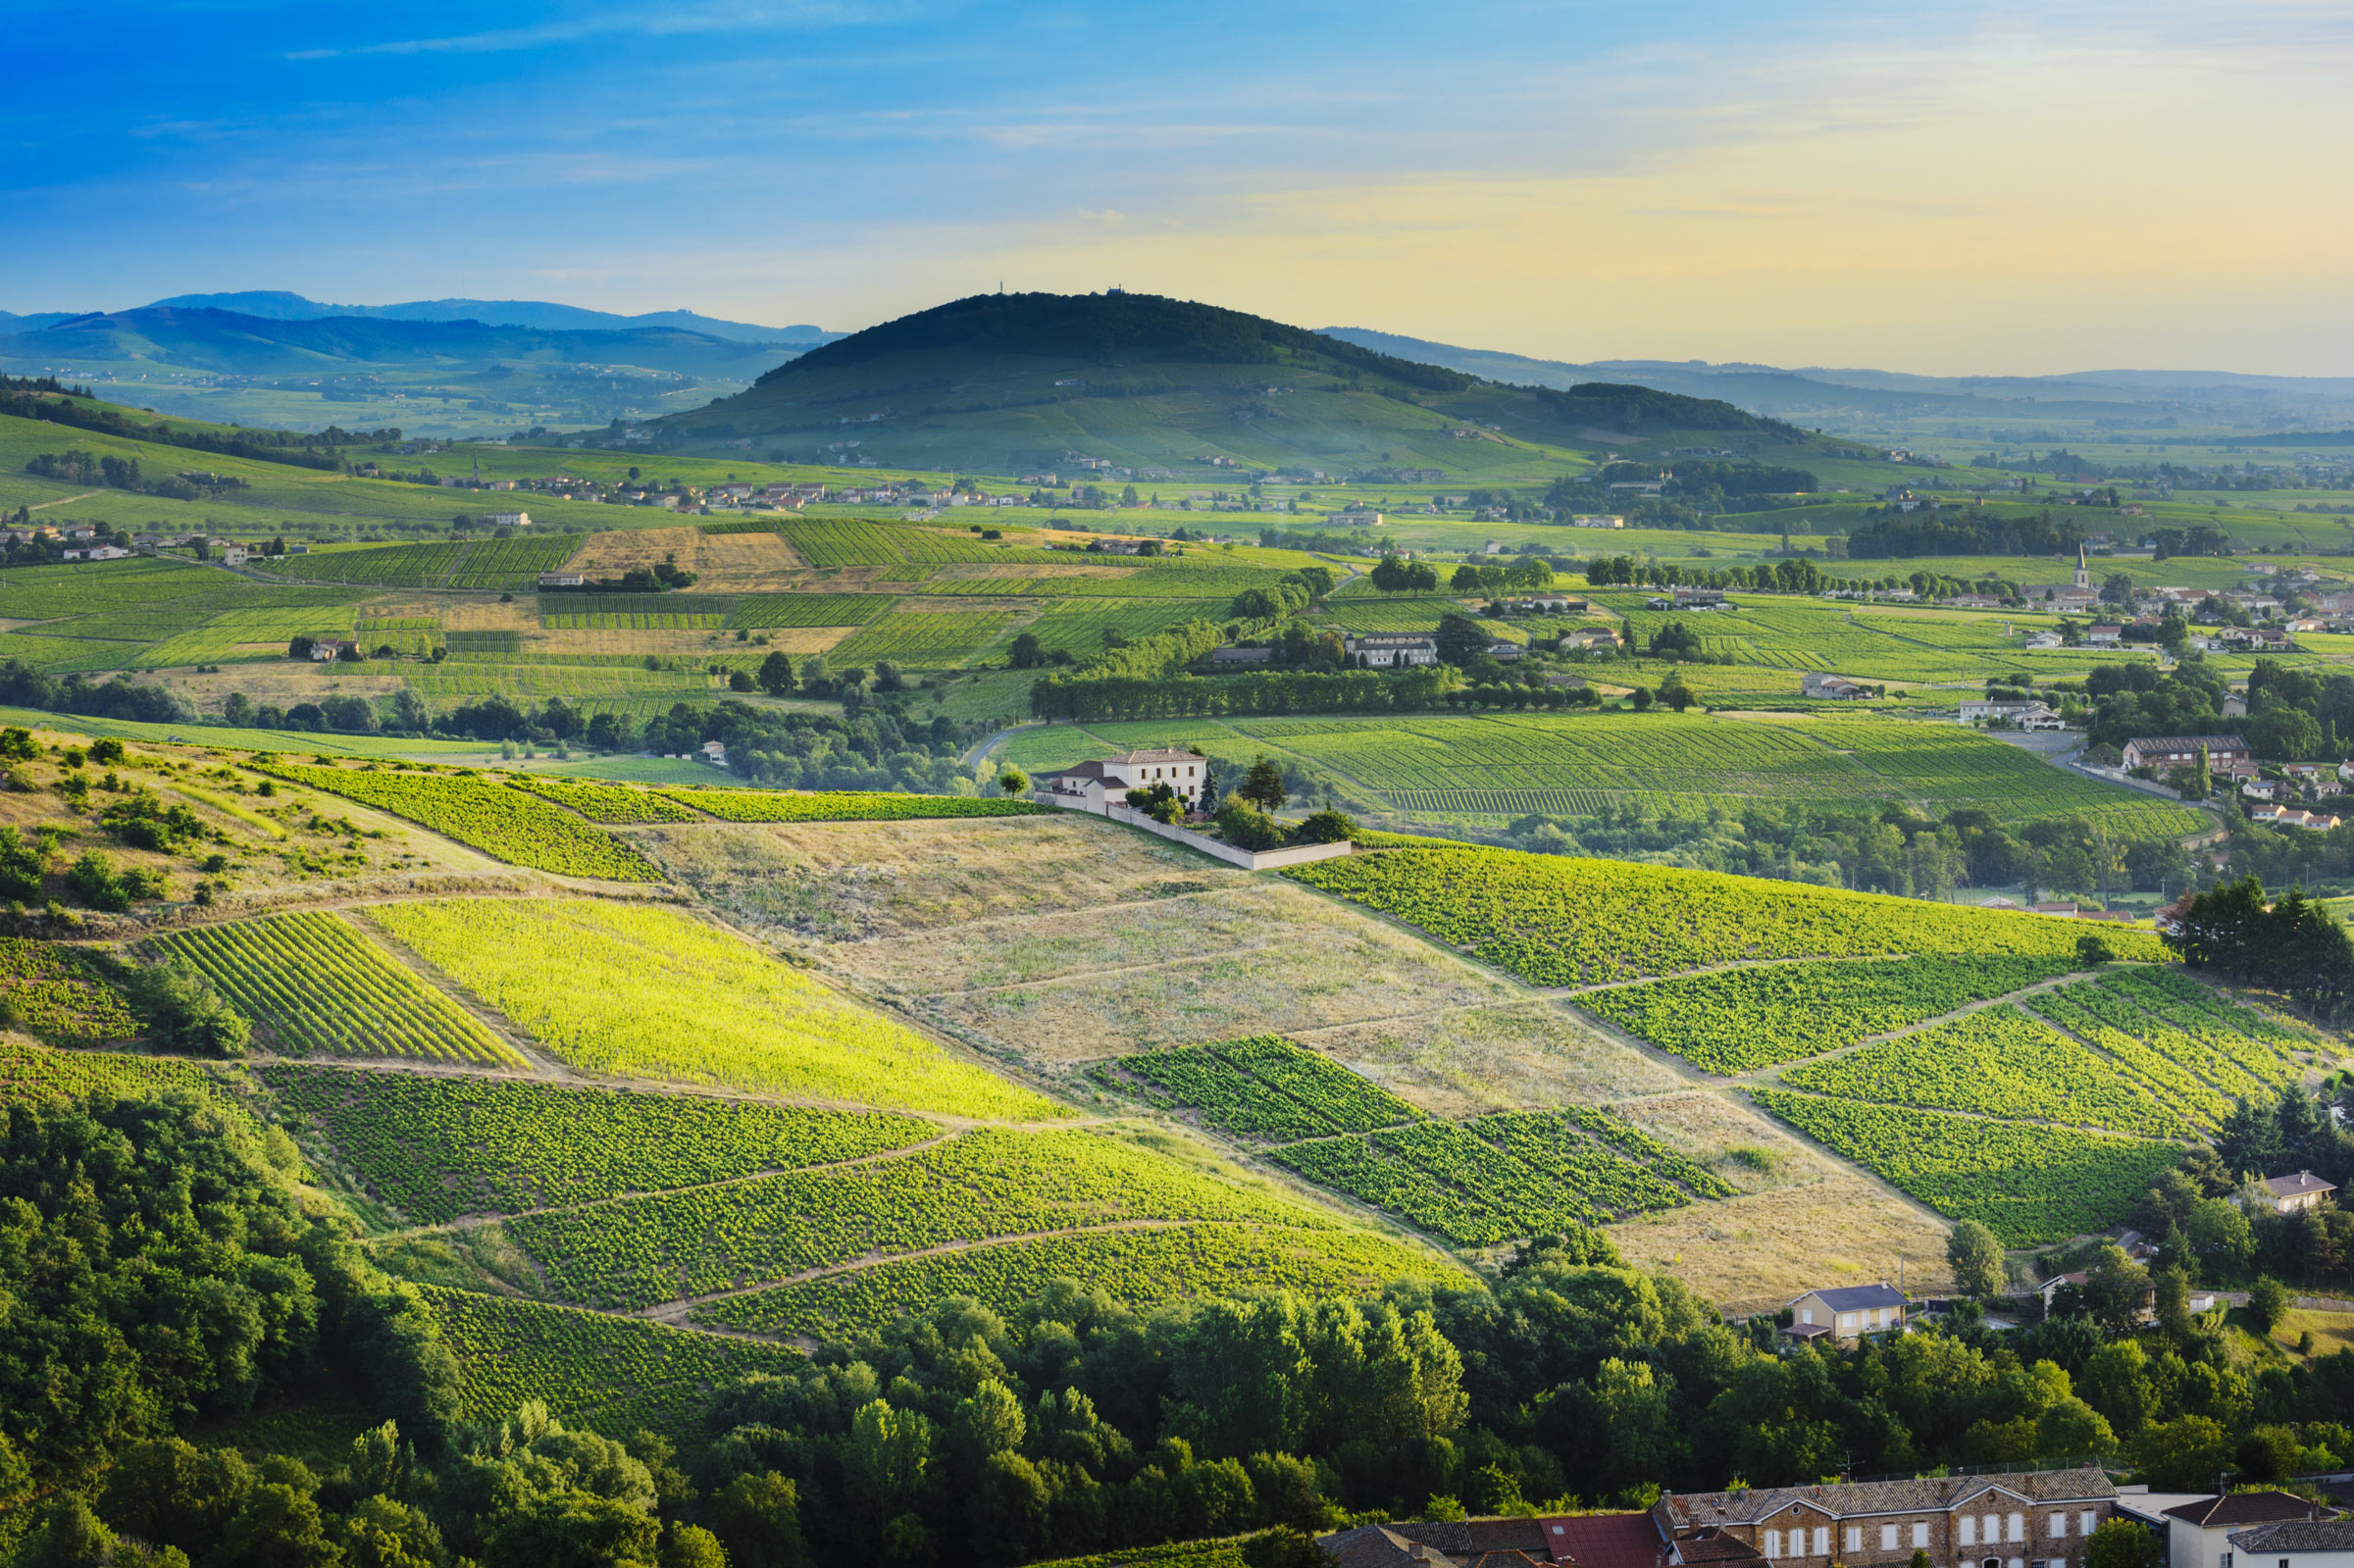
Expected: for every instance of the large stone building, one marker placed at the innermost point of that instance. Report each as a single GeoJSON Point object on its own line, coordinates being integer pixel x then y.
{"type": "Point", "coordinates": [2029, 1519]}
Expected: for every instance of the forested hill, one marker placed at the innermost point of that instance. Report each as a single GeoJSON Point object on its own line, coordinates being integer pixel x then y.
{"type": "Point", "coordinates": [1108, 328]}
{"type": "Point", "coordinates": [1005, 383]}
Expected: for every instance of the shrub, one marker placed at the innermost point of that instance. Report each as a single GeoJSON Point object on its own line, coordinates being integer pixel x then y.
{"type": "Point", "coordinates": [1325, 828]}
{"type": "Point", "coordinates": [1246, 827]}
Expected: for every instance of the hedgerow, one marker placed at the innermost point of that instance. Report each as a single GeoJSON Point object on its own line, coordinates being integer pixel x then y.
{"type": "Point", "coordinates": [441, 1147]}
{"type": "Point", "coordinates": [847, 805]}
{"type": "Point", "coordinates": [1558, 921]}
{"type": "Point", "coordinates": [1739, 1020]}
{"type": "Point", "coordinates": [1266, 1088]}
{"type": "Point", "coordinates": [320, 986]}
{"type": "Point", "coordinates": [506, 824]}
{"type": "Point", "coordinates": [1997, 1062]}
{"type": "Point", "coordinates": [1141, 1267]}
{"type": "Point", "coordinates": [641, 1251]}
{"type": "Point", "coordinates": [2025, 1183]}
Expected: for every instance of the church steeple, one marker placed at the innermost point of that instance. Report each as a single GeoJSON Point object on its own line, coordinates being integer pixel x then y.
{"type": "Point", "coordinates": [2083, 570]}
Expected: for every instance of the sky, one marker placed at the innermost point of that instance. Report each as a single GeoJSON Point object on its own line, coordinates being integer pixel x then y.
{"type": "Point", "coordinates": [1943, 188]}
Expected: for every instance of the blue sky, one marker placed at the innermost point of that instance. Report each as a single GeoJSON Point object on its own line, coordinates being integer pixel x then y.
{"type": "Point", "coordinates": [1937, 187]}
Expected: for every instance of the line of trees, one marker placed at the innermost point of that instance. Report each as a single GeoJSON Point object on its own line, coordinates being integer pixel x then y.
{"type": "Point", "coordinates": [319, 450]}
{"type": "Point", "coordinates": [1259, 692]}
{"type": "Point", "coordinates": [2290, 944]}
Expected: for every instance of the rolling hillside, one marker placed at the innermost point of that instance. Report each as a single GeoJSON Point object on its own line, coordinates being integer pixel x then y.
{"type": "Point", "coordinates": [1007, 383]}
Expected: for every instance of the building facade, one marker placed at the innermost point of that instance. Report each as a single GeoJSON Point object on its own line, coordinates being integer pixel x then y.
{"type": "Point", "coordinates": [2034, 1519]}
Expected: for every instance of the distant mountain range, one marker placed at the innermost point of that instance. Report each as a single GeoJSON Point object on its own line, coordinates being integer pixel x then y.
{"type": "Point", "coordinates": [233, 343]}
{"type": "Point", "coordinates": [277, 305]}
{"type": "Point", "coordinates": [1815, 393]}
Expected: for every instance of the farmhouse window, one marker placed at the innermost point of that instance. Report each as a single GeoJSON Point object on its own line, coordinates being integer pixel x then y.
{"type": "Point", "coordinates": [1920, 1536]}
{"type": "Point", "coordinates": [2059, 1526]}
{"type": "Point", "coordinates": [1969, 1530]}
{"type": "Point", "coordinates": [2091, 1522]}
{"type": "Point", "coordinates": [1855, 1537]}
{"type": "Point", "coordinates": [1887, 1538]}
{"type": "Point", "coordinates": [1773, 1544]}
{"type": "Point", "coordinates": [1823, 1541]}
{"type": "Point", "coordinates": [2019, 1526]}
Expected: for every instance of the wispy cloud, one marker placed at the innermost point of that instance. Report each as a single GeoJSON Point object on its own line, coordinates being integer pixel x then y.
{"type": "Point", "coordinates": [659, 21]}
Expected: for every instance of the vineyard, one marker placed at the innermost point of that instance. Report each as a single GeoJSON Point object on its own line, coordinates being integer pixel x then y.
{"type": "Point", "coordinates": [1739, 1020]}
{"type": "Point", "coordinates": [756, 611]}
{"type": "Point", "coordinates": [640, 1252]}
{"type": "Point", "coordinates": [1995, 1062]}
{"type": "Point", "coordinates": [928, 639]}
{"type": "Point", "coordinates": [505, 565]}
{"type": "Point", "coordinates": [1574, 763]}
{"type": "Point", "coordinates": [1142, 1268]}
{"type": "Point", "coordinates": [609, 1374]}
{"type": "Point", "coordinates": [1444, 1180]}
{"type": "Point", "coordinates": [2027, 1183]}
{"type": "Point", "coordinates": [247, 634]}
{"type": "Point", "coordinates": [847, 805]}
{"type": "Point", "coordinates": [650, 991]}
{"type": "Point", "coordinates": [1558, 921]}
{"type": "Point", "coordinates": [1266, 1088]}
{"type": "Point", "coordinates": [2198, 1052]}
{"type": "Point", "coordinates": [437, 1149]}
{"type": "Point", "coordinates": [30, 1074]}
{"type": "Point", "coordinates": [59, 992]}
{"type": "Point", "coordinates": [317, 985]}
{"type": "Point", "coordinates": [505, 823]}
{"type": "Point", "coordinates": [600, 801]}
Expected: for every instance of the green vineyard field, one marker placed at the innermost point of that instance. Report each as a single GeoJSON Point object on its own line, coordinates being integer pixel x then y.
{"type": "Point", "coordinates": [317, 985]}
{"type": "Point", "coordinates": [506, 824]}
{"type": "Point", "coordinates": [441, 1148]}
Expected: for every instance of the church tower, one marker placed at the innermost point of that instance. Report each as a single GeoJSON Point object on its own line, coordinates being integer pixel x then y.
{"type": "Point", "coordinates": [2084, 571]}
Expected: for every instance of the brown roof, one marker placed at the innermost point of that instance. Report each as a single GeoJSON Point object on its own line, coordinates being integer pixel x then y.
{"type": "Point", "coordinates": [2297, 1185]}
{"type": "Point", "coordinates": [1681, 1511]}
{"type": "Point", "coordinates": [1604, 1539]}
{"type": "Point", "coordinates": [1472, 1538]}
{"type": "Point", "coordinates": [1509, 1543]}
{"type": "Point", "coordinates": [2246, 1508]}
{"type": "Point", "coordinates": [1711, 1545]}
{"type": "Point", "coordinates": [1158, 754]}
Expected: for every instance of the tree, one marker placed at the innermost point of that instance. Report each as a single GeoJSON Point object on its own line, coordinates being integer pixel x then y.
{"type": "Point", "coordinates": [1676, 694]}
{"type": "Point", "coordinates": [2267, 1305]}
{"type": "Point", "coordinates": [2094, 951]}
{"type": "Point", "coordinates": [758, 1516]}
{"type": "Point", "coordinates": [1264, 784]}
{"type": "Point", "coordinates": [1013, 781]}
{"type": "Point", "coordinates": [2116, 1292]}
{"type": "Point", "coordinates": [692, 1546]}
{"type": "Point", "coordinates": [2266, 1453]}
{"type": "Point", "coordinates": [1326, 828]}
{"type": "Point", "coordinates": [1460, 639]}
{"type": "Point", "coordinates": [776, 674]}
{"type": "Point", "coordinates": [2122, 1544]}
{"type": "Point", "coordinates": [183, 1012]}
{"type": "Point", "coordinates": [740, 681]}
{"type": "Point", "coordinates": [1640, 698]}
{"type": "Point", "coordinates": [1976, 1258]}
{"type": "Point", "coordinates": [2182, 1454]}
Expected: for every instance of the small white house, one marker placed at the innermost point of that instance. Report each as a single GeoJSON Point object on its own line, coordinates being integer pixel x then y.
{"type": "Point", "coordinates": [2199, 1534]}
